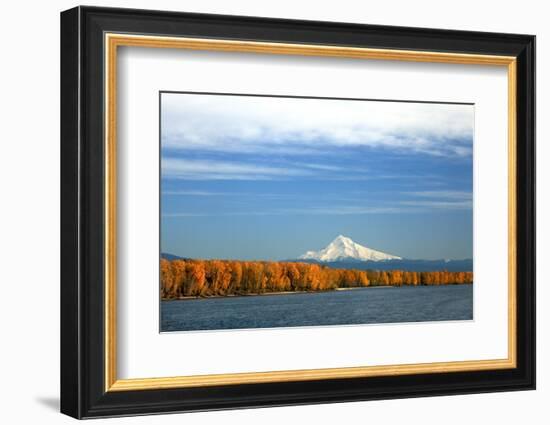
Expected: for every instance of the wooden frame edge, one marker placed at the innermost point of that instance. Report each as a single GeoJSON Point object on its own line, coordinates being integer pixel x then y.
{"type": "Point", "coordinates": [307, 375]}
{"type": "Point", "coordinates": [114, 40]}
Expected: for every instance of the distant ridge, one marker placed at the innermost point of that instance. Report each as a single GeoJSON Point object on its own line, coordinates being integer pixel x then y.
{"type": "Point", "coordinates": [465, 265]}
{"type": "Point", "coordinates": [170, 257]}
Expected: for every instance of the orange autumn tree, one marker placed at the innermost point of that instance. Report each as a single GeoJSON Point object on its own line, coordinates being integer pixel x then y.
{"type": "Point", "coordinates": [203, 278]}
{"type": "Point", "coordinates": [166, 279]}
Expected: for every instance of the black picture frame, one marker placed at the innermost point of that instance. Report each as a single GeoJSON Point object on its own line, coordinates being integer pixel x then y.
{"type": "Point", "coordinates": [83, 392]}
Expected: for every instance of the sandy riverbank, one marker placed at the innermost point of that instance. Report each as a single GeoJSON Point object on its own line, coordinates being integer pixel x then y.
{"type": "Point", "coordinates": [263, 294]}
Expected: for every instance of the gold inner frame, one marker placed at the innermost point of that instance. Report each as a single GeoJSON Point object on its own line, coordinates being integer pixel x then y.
{"type": "Point", "coordinates": [113, 41]}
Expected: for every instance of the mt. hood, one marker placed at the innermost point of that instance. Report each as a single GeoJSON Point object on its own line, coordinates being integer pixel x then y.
{"type": "Point", "coordinates": [343, 248]}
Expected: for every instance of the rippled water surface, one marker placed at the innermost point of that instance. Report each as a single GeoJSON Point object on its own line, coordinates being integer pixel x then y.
{"type": "Point", "coordinates": [357, 306]}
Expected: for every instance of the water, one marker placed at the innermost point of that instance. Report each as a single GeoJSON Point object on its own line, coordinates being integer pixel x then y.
{"type": "Point", "coordinates": [357, 306]}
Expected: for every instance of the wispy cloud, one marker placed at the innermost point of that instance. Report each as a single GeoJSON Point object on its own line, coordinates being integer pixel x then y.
{"type": "Point", "coordinates": [291, 211]}
{"type": "Point", "coordinates": [345, 210]}
{"type": "Point", "coordinates": [322, 167]}
{"type": "Point", "coordinates": [439, 199]}
{"type": "Point", "coordinates": [194, 193]}
{"type": "Point", "coordinates": [213, 169]}
{"type": "Point", "coordinates": [234, 194]}
{"type": "Point", "coordinates": [445, 194]}
{"type": "Point", "coordinates": [301, 126]}
{"type": "Point", "coordinates": [340, 210]}
{"type": "Point", "coordinates": [447, 205]}
{"type": "Point", "coordinates": [192, 169]}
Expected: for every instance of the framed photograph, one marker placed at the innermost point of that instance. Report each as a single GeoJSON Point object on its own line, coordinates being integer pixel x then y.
{"type": "Point", "coordinates": [261, 212]}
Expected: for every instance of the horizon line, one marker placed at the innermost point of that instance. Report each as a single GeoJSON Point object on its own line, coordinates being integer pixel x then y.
{"type": "Point", "coordinates": [351, 259]}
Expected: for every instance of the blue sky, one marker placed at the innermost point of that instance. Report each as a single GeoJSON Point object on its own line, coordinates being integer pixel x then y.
{"type": "Point", "coordinates": [246, 177]}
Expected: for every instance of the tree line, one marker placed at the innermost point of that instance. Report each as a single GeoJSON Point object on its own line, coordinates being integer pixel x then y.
{"type": "Point", "coordinates": [182, 278]}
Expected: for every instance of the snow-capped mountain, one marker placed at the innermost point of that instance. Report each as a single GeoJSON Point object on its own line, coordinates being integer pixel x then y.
{"type": "Point", "coordinates": [343, 248]}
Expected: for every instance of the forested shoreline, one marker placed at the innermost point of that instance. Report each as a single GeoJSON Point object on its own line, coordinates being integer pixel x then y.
{"type": "Point", "coordinates": [204, 278]}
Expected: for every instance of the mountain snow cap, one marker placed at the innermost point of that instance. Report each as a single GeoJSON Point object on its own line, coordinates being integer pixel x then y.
{"type": "Point", "coordinates": [344, 248]}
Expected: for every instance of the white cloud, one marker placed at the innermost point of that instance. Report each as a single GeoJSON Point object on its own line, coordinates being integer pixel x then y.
{"type": "Point", "coordinates": [302, 126]}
